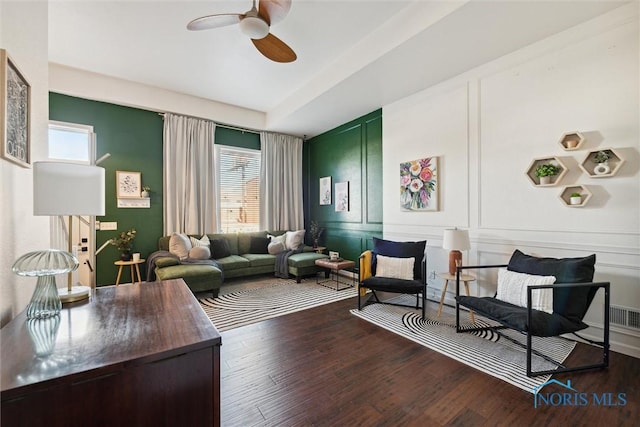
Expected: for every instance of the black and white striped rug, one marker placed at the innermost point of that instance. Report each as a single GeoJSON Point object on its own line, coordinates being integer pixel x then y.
{"type": "Point", "coordinates": [272, 300]}
{"type": "Point", "coordinates": [485, 351]}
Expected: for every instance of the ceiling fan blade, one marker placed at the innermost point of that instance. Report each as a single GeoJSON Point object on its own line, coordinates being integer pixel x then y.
{"type": "Point", "coordinates": [214, 21]}
{"type": "Point", "coordinates": [274, 49]}
{"type": "Point", "coordinates": [274, 11]}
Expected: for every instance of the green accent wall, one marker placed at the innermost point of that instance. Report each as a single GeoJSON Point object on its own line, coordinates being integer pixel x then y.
{"type": "Point", "coordinates": [349, 153]}
{"type": "Point", "coordinates": [134, 139]}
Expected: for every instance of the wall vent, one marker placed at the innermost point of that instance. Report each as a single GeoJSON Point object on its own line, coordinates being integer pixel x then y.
{"type": "Point", "coordinates": [624, 316]}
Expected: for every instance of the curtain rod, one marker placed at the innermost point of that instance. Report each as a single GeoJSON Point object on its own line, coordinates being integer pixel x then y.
{"type": "Point", "coordinates": [223, 125]}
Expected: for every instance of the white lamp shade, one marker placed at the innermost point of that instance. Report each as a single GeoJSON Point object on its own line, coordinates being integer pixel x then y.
{"type": "Point", "coordinates": [67, 189]}
{"type": "Point", "coordinates": [456, 240]}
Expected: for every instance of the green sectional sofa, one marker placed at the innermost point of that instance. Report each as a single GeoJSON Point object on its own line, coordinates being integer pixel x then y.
{"type": "Point", "coordinates": [240, 263]}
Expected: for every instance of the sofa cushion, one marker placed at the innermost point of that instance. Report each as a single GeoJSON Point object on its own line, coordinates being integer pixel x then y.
{"type": "Point", "coordinates": [259, 260]}
{"type": "Point", "coordinates": [200, 252]}
{"type": "Point", "coordinates": [572, 303]}
{"type": "Point", "coordinates": [244, 241]}
{"type": "Point", "coordinates": [220, 248]}
{"type": "Point", "coordinates": [400, 250]}
{"type": "Point", "coordinates": [232, 239]}
{"type": "Point", "coordinates": [196, 243]}
{"type": "Point", "coordinates": [542, 324]}
{"type": "Point", "coordinates": [259, 245]}
{"type": "Point", "coordinates": [179, 245]}
{"type": "Point", "coordinates": [233, 262]}
{"type": "Point", "coordinates": [294, 239]}
{"type": "Point", "coordinates": [304, 259]}
{"type": "Point", "coordinates": [277, 245]}
{"type": "Point", "coordinates": [166, 261]}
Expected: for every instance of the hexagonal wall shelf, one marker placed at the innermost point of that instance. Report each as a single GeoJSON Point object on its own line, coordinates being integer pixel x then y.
{"type": "Point", "coordinates": [568, 190]}
{"type": "Point", "coordinates": [602, 170]}
{"type": "Point", "coordinates": [555, 180]}
{"type": "Point", "coordinates": [571, 141]}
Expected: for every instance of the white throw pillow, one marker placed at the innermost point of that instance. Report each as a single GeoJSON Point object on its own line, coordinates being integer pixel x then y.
{"type": "Point", "coordinates": [294, 239]}
{"type": "Point", "coordinates": [180, 245]}
{"type": "Point", "coordinates": [512, 288]}
{"type": "Point", "coordinates": [277, 244]}
{"type": "Point", "coordinates": [198, 243]}
{"type": "Point", "coordinates": [200, 252]}
{"type": "Point", "coordinates": [394, 268]}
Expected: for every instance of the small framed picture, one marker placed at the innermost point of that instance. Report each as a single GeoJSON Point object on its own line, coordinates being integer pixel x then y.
{"type": "Point", "coordinates": [325, 190]}
{"type": "Point", "coordinates": [15, 113]}
{"type": "Point", "coordinates": [128, 185]}
{"type": "Point", "coordinates": [342, 196]}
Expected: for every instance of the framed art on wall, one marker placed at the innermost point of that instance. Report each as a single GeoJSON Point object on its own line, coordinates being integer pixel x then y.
{"type": "Point", "coordinates": [342, 196]}
{"type": "Point", "coordinates": [15, 110]}
{"type": "Point", "coordinates": [325, 190]}
{"type": "Point", "coordinates": [419, 184]}
{"type": "Point", "coordinates": [128, 185]}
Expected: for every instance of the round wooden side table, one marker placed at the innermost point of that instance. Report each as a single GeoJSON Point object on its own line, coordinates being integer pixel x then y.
{"type": "Point", "coordinates": [464, 278]}
{"type": "Point", "coordinates": [131, 264]}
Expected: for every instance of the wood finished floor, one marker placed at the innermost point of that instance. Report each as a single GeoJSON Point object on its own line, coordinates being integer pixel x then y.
{"type": "Point", "coordinates": [326, 367]}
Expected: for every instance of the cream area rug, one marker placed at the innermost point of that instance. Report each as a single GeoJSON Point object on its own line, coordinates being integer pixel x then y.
{"type": "Point", "coordinates": [282, 296]}
{"type": "Point", "coordinates": [485, 351]}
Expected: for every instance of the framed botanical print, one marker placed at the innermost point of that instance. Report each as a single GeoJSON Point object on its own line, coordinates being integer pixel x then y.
{"type": "Point", "coordinates": [325, 190]}
{"type": "Point", "coordinates": [342, 196]}
{"type": "Point", "coordinates": [128, 185]}
{"type": "Point", "coordinates": [15, 113]}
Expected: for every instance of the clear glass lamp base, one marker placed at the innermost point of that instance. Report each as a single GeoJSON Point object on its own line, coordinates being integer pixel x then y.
{"type": "Point", "coordinates": [45, 301]}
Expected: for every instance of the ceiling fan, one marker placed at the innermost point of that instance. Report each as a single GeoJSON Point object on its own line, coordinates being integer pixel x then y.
{"type": "Point", "coordinates": [254, 23]}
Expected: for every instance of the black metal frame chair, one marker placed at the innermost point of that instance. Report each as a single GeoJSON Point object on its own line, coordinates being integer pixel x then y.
{"type": "Point", "coordinates": [491, 308]}
{"type": "Point", "coordinates": [382, 284]}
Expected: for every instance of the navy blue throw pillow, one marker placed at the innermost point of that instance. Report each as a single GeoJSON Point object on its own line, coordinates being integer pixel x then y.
{"type": "Point", "coordinates": [400, 250]}
{"type": "Point", "coordinates": [259, 245]}
{"type": "Point", "coordinates": [568, 302]}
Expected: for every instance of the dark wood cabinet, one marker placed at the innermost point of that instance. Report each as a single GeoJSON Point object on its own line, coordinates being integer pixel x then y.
{"type": "Point", "coordinates": [135, 355]}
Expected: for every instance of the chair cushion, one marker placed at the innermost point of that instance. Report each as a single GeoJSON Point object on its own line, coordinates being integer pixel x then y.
{"type": "Point", "coordinates": [515, 317]}
{"type": "Point", "coordinates": [395, 268]}
{"type": "Point", "coordinates": [572, 303]}
{"type": "Point", "coordinates": [385, 284]}
{"type": "Point", "coordinates": [512, 288]}
{"type": "Point", "coordinates": [400, 250]}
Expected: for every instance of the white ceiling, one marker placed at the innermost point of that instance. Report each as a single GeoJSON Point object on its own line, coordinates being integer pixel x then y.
{"type": "Point", "coordinates": [354, 56]}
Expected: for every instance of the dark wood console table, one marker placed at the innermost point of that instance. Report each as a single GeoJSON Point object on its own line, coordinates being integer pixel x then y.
{"type": "Point", "coordinates": [135, 355]}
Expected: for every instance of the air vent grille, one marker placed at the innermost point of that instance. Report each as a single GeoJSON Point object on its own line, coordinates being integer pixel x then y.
{"type": "Point", "coordinates": [624, 316]}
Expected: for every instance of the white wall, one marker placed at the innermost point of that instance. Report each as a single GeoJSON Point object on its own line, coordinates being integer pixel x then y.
{"type": "Point", "coordinates": [488, 124]}
{"type": "Point", "coordinates": [84, 84]}
{"type": "Point", "coordinates": [23, 33]}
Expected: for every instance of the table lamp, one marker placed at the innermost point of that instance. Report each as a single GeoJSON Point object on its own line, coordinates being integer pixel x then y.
{"type": "Point", "coordinates": [68, 189]}
{"type": "Point", "coordinates": [456, 241]}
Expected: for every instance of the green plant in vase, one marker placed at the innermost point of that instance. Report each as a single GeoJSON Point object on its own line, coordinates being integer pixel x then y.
{"type": "Point", "coordinates": [546, 171]}
{"type": "Point", "coordinates": [123, 243]}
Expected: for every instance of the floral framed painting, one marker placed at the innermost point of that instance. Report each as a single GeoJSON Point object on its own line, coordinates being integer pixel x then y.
{"type": "Point", "coordinates": [419, 184]}
{"type": "Point", "coordinates": [15, 113]}
{"type": "Point", "coordinates": [325, 190]}
{"type": "Point", "coordinates": [128, 185]}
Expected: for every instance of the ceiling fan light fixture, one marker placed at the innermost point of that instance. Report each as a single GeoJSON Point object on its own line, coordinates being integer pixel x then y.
{"type": "Point", "coordinates": [254, 27]}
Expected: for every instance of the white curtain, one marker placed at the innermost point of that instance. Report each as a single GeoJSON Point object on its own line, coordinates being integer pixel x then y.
{"type": "Point", "coordinates": [189, 175]}
{"type": "Point", "coordinates": [281, 204]}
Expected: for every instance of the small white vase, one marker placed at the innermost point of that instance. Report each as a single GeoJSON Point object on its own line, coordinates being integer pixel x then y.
{"type": "Point", "coordinates": [602, 168]}
{"type": "Point", "coordinates": [145, 194]}
{"type": "Point", "coordinates": [576, 200]}
{"type": "Point", "coordinates": [545, 180]}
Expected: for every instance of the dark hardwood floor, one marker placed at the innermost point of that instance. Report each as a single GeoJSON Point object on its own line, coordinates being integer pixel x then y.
{"type": "Point", "coordinates": [326, 367]}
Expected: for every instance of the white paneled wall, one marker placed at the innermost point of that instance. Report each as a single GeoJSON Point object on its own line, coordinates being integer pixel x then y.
{"type": "Point", "coordinates": [488, 124]}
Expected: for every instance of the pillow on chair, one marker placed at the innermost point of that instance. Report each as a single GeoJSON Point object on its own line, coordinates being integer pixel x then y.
{"type": "Point", "coordinates": [512, 288]}
{"type": "Point", "coordinates": [390, 248]}
{"type": "Point", "coordinates": [570, 303]}
{"type": "Point", "coordinates": [395, 268]}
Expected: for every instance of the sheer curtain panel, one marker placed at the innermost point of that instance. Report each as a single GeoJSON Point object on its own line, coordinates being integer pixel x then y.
{"type": "Point", "coordinates": [189, 175]}
{"type": "Point", "coordinates": [281, 206]}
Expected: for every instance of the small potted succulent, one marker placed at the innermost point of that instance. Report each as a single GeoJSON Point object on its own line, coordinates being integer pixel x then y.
{"type": "Point", "coordinates": [575, 199]}
{"type": "Point", "coordinates": [602, 162]}
{"type": "Point", "coordinates": [546, 171]}
{"type": "Point", "coordinates": [145, 191]}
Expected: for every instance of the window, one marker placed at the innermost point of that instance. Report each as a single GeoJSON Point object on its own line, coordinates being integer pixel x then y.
{"type": "Point", "coordinates": [238, 189]}
{"type": "Point", "coordinates": [71, 142]}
